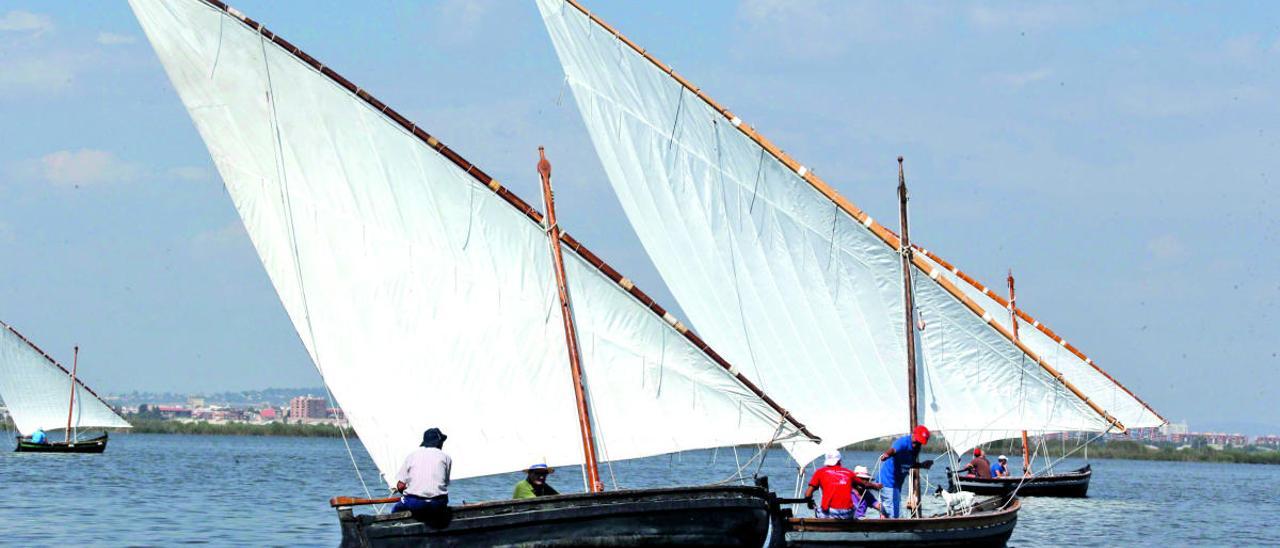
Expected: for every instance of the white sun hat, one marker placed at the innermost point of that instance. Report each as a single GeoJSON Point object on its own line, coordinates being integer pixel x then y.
{"type": "Point", "coordinates": [833, 457]}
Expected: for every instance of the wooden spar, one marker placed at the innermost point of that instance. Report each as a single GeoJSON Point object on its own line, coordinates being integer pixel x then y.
{"type": "Point", "coordinates": [1037, 324]}
{"type": "Point", "coordinates": [883, 233]}
{"type": "Point", "coordinates": [514, 201]}
{"type": "Point", "coordinates": [909, 313]}
{"type": "Point", "coordinates": [570, 331]}
{"type": "Point", "coordinates": [1013, 318]}
{"type": "Point", "coordinates": [354, 501]}
{"type": "Point", "coordinates": [75, 363]}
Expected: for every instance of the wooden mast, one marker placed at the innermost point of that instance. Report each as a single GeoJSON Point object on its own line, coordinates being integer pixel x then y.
{"type": "Point", "coordinates": [1013, 317]}
{"type": "Point", "coordinates": [909, 304]}
{"type": "Point", "coordinates": [570, 332]}
{"type": "Point", "coordinates": [75, 363]}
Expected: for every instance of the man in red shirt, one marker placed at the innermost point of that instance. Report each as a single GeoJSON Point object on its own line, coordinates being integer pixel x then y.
{"type": "Point", "coordinates": [837, 484]}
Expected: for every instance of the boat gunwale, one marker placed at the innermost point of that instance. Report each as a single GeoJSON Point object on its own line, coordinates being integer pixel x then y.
{"type": "Point", "coordinates": [1001, 515]}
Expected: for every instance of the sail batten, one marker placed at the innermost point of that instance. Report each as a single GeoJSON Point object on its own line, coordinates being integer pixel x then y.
{"type": "Point", "coordinates": [38, 390]}
{"type": "Point", "coordinates": [798, 318]}
{"type": "Point", "coordinates": [421, 287]}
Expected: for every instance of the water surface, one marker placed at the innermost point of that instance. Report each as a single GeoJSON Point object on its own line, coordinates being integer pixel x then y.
{"type": "Point", "coordinates": [151, 489]}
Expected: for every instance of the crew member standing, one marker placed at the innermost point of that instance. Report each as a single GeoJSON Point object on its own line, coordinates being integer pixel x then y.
{"type": "Point", "coordinates": [896, 462]}
{"type": "Point", "coordinates": [837, 484]}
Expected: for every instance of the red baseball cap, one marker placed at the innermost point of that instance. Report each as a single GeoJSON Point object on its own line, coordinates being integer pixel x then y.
{"type": "Point", "coordinates": [977, 452]}
{"type": "Point", "coordinates": [920, 435]}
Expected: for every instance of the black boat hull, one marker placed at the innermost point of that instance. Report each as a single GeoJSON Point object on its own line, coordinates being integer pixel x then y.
{"type": "Point", "coordinates": [990, 524]}
{"type": "Point", "coordinates": [1070, 484]}
{"type": "Point", "coordinates": [689, 516]}
{"type": "Point", "coordinates": [91, 445]}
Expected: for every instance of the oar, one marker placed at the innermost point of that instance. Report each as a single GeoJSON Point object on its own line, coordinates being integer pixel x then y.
{"type": "Point", "coordinates": [354, 501]}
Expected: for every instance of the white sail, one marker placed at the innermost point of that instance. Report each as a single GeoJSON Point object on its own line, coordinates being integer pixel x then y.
{"type": "Point", "coordinates": [37, 390]}
{"type": "Point", "coordinates": [422, 290]}
{"type": "Point", "coordinates": [791, 287]}
{"type": "Point", "coordinates": [1097, 385]}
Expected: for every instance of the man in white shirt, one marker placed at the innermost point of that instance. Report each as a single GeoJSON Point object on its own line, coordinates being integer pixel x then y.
{"type": "Point", "coordinates": [424, 478]}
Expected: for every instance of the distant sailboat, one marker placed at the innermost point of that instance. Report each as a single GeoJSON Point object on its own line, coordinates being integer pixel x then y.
{"type": "Point", "coordinates": [427, 294]}
{"type": "Point", "coordinates": [43, 395]}
{"type": "Point", "coordinates": [791, 280]}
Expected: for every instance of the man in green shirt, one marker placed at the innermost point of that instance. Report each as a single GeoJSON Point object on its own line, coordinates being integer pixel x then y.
{"type": "Point", "coordinates": [534, 483]}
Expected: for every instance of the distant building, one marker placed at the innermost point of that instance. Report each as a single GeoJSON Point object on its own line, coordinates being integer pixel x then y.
{"type": "Point", "coordinates": [195, 402]}
{"type": "Point", "coordinates": [308, 407]}
{"type": "Point", "coordinates": [268, 414]}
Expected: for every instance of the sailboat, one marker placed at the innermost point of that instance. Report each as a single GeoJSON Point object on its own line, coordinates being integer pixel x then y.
{"type": "Point", "coordinates": [795, 283]}
{"type": "Point", "coordinates": [1135, 412]}
{"type": "Point", "coordinates": [428, 294]}
{"type": "Point", "coordinates": [41, 394]}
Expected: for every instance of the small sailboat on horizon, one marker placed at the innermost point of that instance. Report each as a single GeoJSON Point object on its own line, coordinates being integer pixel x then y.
{"type": "Point", "coordinates": [40, 392]}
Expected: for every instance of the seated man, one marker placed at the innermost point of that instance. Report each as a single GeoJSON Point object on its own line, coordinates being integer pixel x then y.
{"type": "Point", "coordinates": [39, 436]}
{"type": "Point", "coordinates": [979, 467]}
{"type": "Point", "coordinates": [534, 483]}
{"type": "Point", "coordinates": [424, 478]}
{"type": "Point", "coordinates": [837, 483]}
{"type": "Point", "coordinates": [1001, 468]}
{"type": "Point", "coordinates": [863, 498]}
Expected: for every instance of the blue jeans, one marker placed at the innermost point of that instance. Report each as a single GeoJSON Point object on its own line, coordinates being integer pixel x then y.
{"type": "Point", "coordinates": [419, 505]}
{"type": "Point", "coordinates": [890, 499]}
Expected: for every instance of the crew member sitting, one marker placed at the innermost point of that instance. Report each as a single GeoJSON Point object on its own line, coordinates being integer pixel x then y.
{"type": "Point", "coordinates": [1000, 468]}
{"type": "Point", "coordinates": [424, 478]}
{"type": "Point", "coordinates": [39, 436]}
{"type": "Point", "coordinates": [534, 483]}
{"type": "Point", "coordinates": [863, 498]}
{"type": "Point", "coordinates": [979, 467]}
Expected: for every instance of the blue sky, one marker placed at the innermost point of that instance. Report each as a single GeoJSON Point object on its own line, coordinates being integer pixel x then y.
{"type": "Point", "coordinates": [1120, 158]}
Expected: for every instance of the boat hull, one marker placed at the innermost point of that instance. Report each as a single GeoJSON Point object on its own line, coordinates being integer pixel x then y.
{"type": "Point", "coordinates": [1070, 484]}
{"type": "Point", "coordinates": [690, 516]}
{"type": "Point", "coordinates": [990, 524]}
{"type": "Point", "coordinates": [91, 445]}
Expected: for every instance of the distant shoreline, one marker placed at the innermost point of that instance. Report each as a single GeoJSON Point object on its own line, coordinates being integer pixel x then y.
{"type": "Point", "coordinates": [157, 426]}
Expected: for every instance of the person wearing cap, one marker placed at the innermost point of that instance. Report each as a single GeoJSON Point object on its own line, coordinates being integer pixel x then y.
{"type": "Point", "coordinates": [863, 498]}
{"type": "Point", "coordinates": [979, 467]}
{"type": "Point", "coordinates": [1001, 468]}
{"type": "Point", "coordinates": [837, 484]}
{"type": "Point", "coordinates": [534, 483]}
{"type": "Point", "coordinates": [423, 480]}
{"type": "Point", "coordinates": [901, 457]}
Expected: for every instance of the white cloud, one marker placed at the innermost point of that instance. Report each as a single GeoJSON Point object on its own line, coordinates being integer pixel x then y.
{"type": "Point", "coordinates": [1024, 16]}
{"type": "Point", "coordinates": [81, 167]}
{"type": "Point", "coordinates": [113, 39]}
{"type": "Point", "coordinates": [25, 21]}
{"type": "Point", "coordinates": [1167, 247]}
{"type": "Point", "coordinates": [40, 74]}
{"type": "Point", "coordinates": [190, 173]}
{"type": "Point", "coordinates": [1020, 79]}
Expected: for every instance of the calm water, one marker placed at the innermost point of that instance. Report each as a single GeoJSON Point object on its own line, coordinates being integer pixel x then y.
{"type": "Point", "coordinates": [242, 491]}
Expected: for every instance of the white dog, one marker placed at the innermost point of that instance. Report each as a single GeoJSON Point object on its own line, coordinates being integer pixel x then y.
{"type": "Point", "coordinates": [958, 504]}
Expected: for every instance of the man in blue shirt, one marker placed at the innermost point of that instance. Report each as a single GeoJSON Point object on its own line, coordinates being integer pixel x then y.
{"type": "Point", "coordinates": [999, 470]}
{"type": "Point", "coordinates": [896, 463]}
{"type": "Point", "coordinates": [39, 437]}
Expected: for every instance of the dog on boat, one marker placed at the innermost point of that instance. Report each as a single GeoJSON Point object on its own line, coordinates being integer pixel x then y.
{"type": "Point", "coordinates": [958, 504]}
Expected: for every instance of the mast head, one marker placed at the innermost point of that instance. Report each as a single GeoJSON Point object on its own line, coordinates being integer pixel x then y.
{"type": "Point", "coordinates": [544, 167]}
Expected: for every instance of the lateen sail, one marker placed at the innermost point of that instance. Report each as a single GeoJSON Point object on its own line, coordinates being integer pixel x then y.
{"type": "Point", "coordinates": [798, 290]}
{"type": "Point", "coordinates": [37, 390]}
{"type": "Point", "coordinates": [421, 288]}
{"type": "Point", "coordinates": [1100, 387]}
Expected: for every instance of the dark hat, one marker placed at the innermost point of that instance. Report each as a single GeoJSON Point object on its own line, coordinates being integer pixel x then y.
{"type": "Point", "coordinates": [433, 437]}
